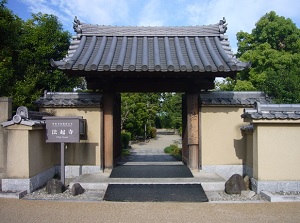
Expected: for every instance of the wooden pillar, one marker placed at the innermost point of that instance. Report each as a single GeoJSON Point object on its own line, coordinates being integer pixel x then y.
{"type": "Point", "coordinates": [108, 133]}
{"type": "Point", "coordinates": [192, 129]}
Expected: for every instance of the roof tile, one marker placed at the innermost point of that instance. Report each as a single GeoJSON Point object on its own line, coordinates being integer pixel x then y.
{"type": "Point", "coordinates": [233, 98]}
{"type": "Point", "coordinates": [176, 49]}
{"type": "Point", "coordinates": [273, 111]}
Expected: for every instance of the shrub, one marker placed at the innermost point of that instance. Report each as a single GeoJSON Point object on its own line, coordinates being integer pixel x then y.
{"type": "Point", "coordinates": [180, 130]}
{"type": "Point", "coordinates": [152, 132]}
{"type": "Point", "coordinates": [125, 139]}
{"type": "Point", "coordinates": [174, 151]}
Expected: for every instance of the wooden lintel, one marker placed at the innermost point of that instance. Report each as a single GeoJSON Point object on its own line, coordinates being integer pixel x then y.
{"type": "Point", "coordinates": [151, 84]}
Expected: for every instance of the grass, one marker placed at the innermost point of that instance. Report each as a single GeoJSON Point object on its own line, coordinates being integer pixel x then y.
{"type": "Point", "coordinates": [125, 152]}
{"type": "Point", "coordinates": [173, 150]}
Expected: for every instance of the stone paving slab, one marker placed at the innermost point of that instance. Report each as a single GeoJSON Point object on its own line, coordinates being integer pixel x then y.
{"type": "Point", "coordinates": [209, 181]}
{"type": "Point", "coordinates": [151, 171]}
{"type": "Point", "coordinates": [13, 194]}
{"type": "Point", "coordinates": [280, 198]}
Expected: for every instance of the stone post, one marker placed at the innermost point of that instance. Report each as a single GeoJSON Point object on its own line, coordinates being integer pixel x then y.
{"type": "Point", "coordinates": [193, 130]}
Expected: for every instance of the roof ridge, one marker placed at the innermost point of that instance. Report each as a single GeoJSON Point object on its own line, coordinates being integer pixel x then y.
{"type": "Point", "coordinates": [217, 29]}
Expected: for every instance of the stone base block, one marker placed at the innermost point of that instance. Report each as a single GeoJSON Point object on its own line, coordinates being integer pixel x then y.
{"type": "Point", "coordinates": [30, 184]}
{"type": "Point", "coordinates": [39, 180]}
{"type": "Point", "coordinates": [75, 171]}
{"type": "Point", "coordinates": [274, 186]}
{"type": "Point", "coordinates": [15, 195]}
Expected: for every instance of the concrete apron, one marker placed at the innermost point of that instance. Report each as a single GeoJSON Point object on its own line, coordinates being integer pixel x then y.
{"type": "Point", "coordinates": [151, 154]}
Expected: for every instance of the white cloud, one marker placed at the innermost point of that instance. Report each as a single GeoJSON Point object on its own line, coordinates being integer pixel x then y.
{"type": "Point", "coordinates": [240, 14]}
{"type": "Point", "coordinates": [151, 14]}
{"type": "Point", "coordinates": [92, 11]}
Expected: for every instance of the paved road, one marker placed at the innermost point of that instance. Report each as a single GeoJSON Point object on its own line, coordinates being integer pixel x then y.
{"type": "Point", "coordinates": [23, 211]}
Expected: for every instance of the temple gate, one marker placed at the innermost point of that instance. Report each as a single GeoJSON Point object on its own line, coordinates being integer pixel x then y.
{"type": "Point", "coordinates": [150, 59]}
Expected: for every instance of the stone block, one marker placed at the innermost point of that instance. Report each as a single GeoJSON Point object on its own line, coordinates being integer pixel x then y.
{"type": "Point", "coordinates": [247, 193]}
{"type": "Point", "coordinates": [77, 189]}
{"type": "Point", "coordinates": [55, 186]}
{"type": "Point", "coordinates": [247, 182]}
{"type": "Point", "coordinates": [235, 184]}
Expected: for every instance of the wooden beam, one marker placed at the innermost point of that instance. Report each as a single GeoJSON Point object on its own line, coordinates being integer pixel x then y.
{"type": "Point", "coordinates": [151, 84]}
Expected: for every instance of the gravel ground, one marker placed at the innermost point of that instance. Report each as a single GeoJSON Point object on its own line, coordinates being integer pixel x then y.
{"type": "Point", "coordinates": [222, 196]}
{"type": "Point", "coordinates": [88, 195]}
{"type": "Point", "coordinates": [23, 211]}
{"type": "Point", "coordinates": [97, 195]}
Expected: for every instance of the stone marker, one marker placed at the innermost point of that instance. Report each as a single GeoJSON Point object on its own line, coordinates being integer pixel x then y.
{"type": "Point", "coordinates": [235, 184]}
{"type": "Point", "coordinates": [247, 193]}
{"type": "Point", "coordinates": [247, 182]}
{"type": "Point", "coordinates": [77, 189]}
{"type": "Point", "coordinates": [55, 186]}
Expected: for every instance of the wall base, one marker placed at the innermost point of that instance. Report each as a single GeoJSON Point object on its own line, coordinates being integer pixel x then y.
{"type": "Point", "coordinates": [30, 184]}
{"type": "Point", "coordinates": [75, 171]}
{"type": "Point", "coordinates": [226, 171]}
{"type": "Point", "coordinates": [39, 180]}
{"type": "Point", "coordinates": [274, 186]}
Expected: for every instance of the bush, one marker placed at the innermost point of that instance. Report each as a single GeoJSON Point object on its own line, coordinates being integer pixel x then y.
{"type": "Point", "coordinates": [173, 150]}
{"type": "Point", "coordinates": [125, 139]}
{"type": "Point", "coordinates": [180, 130]}
{"type": "Point", "coordinates": [152, 132]}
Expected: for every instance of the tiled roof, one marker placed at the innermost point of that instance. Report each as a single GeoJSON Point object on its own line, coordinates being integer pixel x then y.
{"type": "Point", "coordinates": [66, 99]}
{"type": "Point", "coordinates": [273, 111]}
{"type": "Point", "coordinates": [27, 118]}
{"type": "Point", "coordinates": [233, 98]}
{"type": "Point", "coordinates": [247, 128]}
{"type": "Point", "coordinates": [154, 49]}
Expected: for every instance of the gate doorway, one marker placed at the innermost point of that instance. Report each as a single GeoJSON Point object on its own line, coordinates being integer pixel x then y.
{"type": "Point", "coordinates": [153, 121]}
{"type": "Point", "coordinates": [112, 147]}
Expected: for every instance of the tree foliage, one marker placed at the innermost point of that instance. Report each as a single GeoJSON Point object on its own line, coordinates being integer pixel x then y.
{"type": "Point", "coordinates": [160, 110]}
{"type": "Point", "coordinates": [138, 110]}
{"type": "Point", "coordinates": [170, 115]}
{"type": "Point", "coordinates": [26, 49]}
{"type": "Point", "coordinates": [273, 47]}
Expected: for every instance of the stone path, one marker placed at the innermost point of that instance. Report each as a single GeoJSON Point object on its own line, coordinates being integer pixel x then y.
{"type": "Point", "coordinates": [152, 151]}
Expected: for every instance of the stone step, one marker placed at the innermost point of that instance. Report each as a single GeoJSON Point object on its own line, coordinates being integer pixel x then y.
{"type": "Point", "coordinates": [155, 163]}
{"type": "Point", "coordinates": [100, 181]}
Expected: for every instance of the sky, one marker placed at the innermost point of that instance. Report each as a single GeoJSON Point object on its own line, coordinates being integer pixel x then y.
{"type": "Point", "coordinates": [241, 15]}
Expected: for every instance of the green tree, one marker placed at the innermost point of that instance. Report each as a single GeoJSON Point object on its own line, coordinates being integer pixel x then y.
{"type": "Point", "coordinates": [10, 28]}
{"type": "Point", "coordinates": [138, 110]}
{"type": "Point", "coordinates": [160, 110]}
{"type": "Point", "coordinates": [273, 48]}
{"type": "Point", "coordinates": [26, 49]}
{"type": "Point", "coordinates": [171, 110]}
{"type": "Point", "coordinates": [42, 39]}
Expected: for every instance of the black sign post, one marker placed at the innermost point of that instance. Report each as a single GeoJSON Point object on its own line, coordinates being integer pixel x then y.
{"type": "Point", "coordinates": [62, 162]}
{"type": "Point", "coordinates": [63, 130]}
